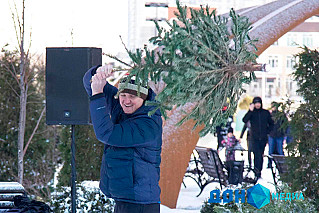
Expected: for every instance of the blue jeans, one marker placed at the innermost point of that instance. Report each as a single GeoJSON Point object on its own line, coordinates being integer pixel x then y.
{"type": "Point", "coordinates": [275, 146]}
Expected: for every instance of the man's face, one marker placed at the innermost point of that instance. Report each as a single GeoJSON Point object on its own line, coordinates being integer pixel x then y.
{"type": "Point", "coordinates": [130, 103]}
{"type": "Point", "coordinates": [257, 105]}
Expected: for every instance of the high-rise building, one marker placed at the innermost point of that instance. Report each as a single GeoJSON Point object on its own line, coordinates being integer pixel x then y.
{"type": "Point", "coordinates": [141, 27]}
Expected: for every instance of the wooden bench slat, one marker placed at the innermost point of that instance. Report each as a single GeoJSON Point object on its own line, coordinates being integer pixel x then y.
{"type": "Point", "coordinates": [11, 187]}
{"type": "Point", "coordinates": [206, 161]}
{"type": "Point", "coordinates": [8, 190]}
{"type": "Point", "coordinates": [9, 196]}
{"type": "Point", "coordinates": [6, 204]}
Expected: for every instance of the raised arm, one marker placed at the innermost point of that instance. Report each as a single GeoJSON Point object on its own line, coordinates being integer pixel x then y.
{"type": "Point", "coordinates": [87, 79]}
{"type": "Point", "coordinates": [246, 118]}
{"type": "Point", "coordinates": [109, 91]}
{"type": "Point", "coordinates": [138, 132]}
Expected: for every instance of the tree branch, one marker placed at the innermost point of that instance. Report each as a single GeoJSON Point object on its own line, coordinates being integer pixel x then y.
{"type": "Point", "coordinates": [117, 59]}
{"type": "Point", "coordinates": [15, 24]}
{"type": "Point", "coordinates": [34, 130]}
{"type": "Point", "coordinates": [209, 50]}
{"type": "Point", "coordinates": [12, 88]}
{"type": "Point", "coordinates": [13, 68]}
{"type": "Point", "coordinates": [10, 71]}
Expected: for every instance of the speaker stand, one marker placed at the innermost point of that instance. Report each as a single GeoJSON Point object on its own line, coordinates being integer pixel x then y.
{"type": "Point", "coordinates": [73, 171]}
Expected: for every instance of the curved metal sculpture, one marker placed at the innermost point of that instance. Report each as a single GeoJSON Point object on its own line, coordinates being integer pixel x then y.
{"type": "Point", "coordinates": [270, 22]}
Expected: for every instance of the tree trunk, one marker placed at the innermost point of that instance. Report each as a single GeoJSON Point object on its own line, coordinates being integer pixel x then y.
{"type": "Point", "coordinates": [22, 118]}
{"type": "Point", "coordinates": [23, 102]}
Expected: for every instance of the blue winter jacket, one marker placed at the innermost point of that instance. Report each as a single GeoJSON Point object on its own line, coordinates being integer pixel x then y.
{"type": "Point", "coordinates": [130, 169]}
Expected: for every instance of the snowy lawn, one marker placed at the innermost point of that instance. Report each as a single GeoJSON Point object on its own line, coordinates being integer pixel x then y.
{"type": "Point", "coordinates": [188, 202]}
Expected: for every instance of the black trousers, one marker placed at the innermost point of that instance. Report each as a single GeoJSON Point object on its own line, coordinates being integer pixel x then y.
{"type": "Point", "coordinates": [125, 207]}
{"type": "Point", "coordinates": [250, 150]}
{"type": "Point", "coordinates": [258, 150]}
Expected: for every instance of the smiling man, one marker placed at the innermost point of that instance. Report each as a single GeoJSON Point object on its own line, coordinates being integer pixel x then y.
{"type": "Point", "coordinates": [133, 141]}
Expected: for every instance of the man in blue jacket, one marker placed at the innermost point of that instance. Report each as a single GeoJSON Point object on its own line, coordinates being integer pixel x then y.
{"type": "Point", "coordinates": [261, 124]}
{"type": "Point", "coordinates": [130, 169]}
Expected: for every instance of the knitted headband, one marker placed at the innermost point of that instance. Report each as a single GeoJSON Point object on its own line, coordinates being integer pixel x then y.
{"type": "Point", "coordinates": [133, 89]}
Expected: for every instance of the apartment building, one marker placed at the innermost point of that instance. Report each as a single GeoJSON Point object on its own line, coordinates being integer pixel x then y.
{"type": "Point", "coordinates": [277, 82]}
{"type": "Point", "coordinates": [274, 84]}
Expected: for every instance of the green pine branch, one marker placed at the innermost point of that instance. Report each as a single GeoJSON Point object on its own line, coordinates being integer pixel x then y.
{"type": "Point", "coordinates": [204, 59]}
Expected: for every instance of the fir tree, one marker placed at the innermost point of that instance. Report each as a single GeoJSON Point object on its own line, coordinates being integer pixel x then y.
{"type": "Point", "coordinates": [304, 150]}
{"type": "Point", "coordinates": [40, 157]}
{"type": "Point", "coordinates": [204, 59]}
{"type": "Point", "coordinates": [88, 157]}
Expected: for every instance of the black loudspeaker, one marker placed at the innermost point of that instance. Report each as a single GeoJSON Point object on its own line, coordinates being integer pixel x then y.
{"type": "Point", "coordinates": [66, 99]}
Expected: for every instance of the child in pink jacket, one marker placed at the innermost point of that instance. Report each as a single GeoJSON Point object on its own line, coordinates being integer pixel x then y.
{"type": "Point", "coordinates": [230, 142]}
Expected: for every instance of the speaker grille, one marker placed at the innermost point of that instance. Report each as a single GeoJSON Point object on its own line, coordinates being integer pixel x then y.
{"type": "Point", "coordinates": [66, 99]}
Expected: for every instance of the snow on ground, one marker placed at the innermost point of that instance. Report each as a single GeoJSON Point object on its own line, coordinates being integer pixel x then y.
{"type": "Point", "coordinates": [188, 202]}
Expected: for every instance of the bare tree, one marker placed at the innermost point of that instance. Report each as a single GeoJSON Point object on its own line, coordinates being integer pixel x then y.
{"type": "Point", "coordinates": [23, 86]}
{"type": "Point", "coordinates": [24, 77]}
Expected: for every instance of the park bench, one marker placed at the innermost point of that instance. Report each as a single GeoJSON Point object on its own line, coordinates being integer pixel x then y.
{"type": "Point", "coordinates": [206, 167]}
{"type": "Point", "coordinates": [8, 190]}
{"type": "Point", "coordinates": [281, 166]}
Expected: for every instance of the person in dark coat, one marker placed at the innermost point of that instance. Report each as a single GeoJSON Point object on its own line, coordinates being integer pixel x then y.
{"type": "Point", "coordinates": [277, 134]}
{"type": "Point", "coordinates": [130, 169]}
{"type": "Point", "coordinates": [261, 125]}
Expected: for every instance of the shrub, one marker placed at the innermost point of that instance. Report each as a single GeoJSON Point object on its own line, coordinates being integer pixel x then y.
{"type": "Point", "coordinates": [304, 150]}
{"type": "Point", "coordinates": [89, 199]}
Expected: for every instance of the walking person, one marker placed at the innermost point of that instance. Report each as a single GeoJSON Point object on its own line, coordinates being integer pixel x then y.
{"type": "Point", "coordinates": [277, 134]}
{"type": "Point", "coordinates": [261, 125]}
{"type": "Point", "coordinates": [130, 169]}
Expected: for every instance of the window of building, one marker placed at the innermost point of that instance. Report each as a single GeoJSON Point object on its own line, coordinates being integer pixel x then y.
{"type": "Point", "coordinates": [270, 90]}
{"type": "Point", "coordinates": [255, 86]}
{"type": "Point", "coordinates": [272, 80]}
{"type": "Point", "coordinates": [307, 40]}
{"type": "Point", "coordinates": [291, 61]}
{"type": "Point", "coordinates": [275, 43]}
{"type": "Point", "coordinates": [278, 82]}
{"type": "Point", "coordinates": [289, 86]}
{"type": "Point", "coordinates": [292, 40]}
{"type": "Point", "coordinates": [273, 61]}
